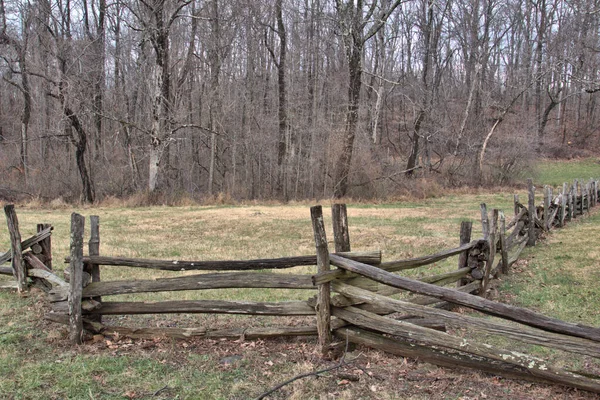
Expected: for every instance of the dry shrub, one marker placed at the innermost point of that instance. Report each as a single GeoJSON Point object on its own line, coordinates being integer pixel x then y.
{"type": "Point", "coordinates": [58, 203]}
{"type": "Point", "coordinates": [419, 188]}
{"type": "Point", "coordinates": [508, 159]}
{"type": "Point", "coordinates": [220, 198]}
{"type": "Point", "coordinates": [49, 204]}
{"type": "Point", "coordinates": [171, 199]}
{"type": "Point", "coordinates": [557, 148]}
{"type": "Point", "coordinates": [511, 159]}
{"type": "Point", "coordinates": [147, 199]}
{"type": "Point", "coordinates": [365, 182]}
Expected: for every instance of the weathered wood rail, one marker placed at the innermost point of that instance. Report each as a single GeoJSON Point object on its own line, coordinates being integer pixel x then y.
{"type": "Point", "coordinates": [31, 257]}
{"type": "Point", "coordinates": [367, 313]}
{"type": "Point", "coordinates": [349, 291]}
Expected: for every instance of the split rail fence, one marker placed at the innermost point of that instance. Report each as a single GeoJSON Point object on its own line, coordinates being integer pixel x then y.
{"type": "Point", "coordinates": [354, 301]}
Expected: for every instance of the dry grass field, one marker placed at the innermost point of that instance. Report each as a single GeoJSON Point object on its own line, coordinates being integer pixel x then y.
{"type": "Point", "coordinates": [559, 278]}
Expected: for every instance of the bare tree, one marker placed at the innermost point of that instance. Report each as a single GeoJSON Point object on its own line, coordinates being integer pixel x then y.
{"type": "Point", "coordinates": [19, 67]}
{"type": "Point", "coordinates": [354, 21]}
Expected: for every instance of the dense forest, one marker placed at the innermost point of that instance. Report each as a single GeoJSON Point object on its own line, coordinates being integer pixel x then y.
{"type": "Point", "coordinates": [289, 99]}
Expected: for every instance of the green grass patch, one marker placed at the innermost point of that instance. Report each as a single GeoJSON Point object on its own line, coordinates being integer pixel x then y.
{"type": "Point", "coordinates": [556, 172]}
{"type": "Point", "coordinates": [560, 278]}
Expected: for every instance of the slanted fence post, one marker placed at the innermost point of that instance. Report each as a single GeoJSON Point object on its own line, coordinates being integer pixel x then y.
{"type": "Point", "coordinates": [491, 256]}
{"type": "Point", "coordinates": [341, 235]}
{"type": "Point", "coordinates": [94, 250]}
{"type": "Point", "coordinates": [76, 279]}
{"type": "Point", "coordinates": [324, 294]}
{"type": "Point", "coordinates": [503, 250]}
{"type": "Point", "coordinates": [45, 255]}
{"type": "Point", "coordinates": [531, 213]}
{"type": "Point", "coordinates": [466, 227]}
{"type": "Point", "coordinates": [17, 264]}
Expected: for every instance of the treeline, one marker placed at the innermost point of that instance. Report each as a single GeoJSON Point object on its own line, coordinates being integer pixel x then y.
{"type": "Point", "coordinates": [288, 98]}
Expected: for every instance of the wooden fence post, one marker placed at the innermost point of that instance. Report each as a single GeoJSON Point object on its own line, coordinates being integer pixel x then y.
{"type": "Point", "coordinates": [547, 198]}
{"type": "Point", "coordinates": [485, 222]}
{"type": "Point", "coordinates": [503, 250]}
{"type": "Point", "coordinates": [591, 191]}
{"type": "Point", "coordinates": [466, 227]}
{"type": "Point", "coordinates": [531, 213]}
{"type": "Point", "coordinates": [17, 264]}
{"type": "Point", "coordinates": [583, 198]}
{"type": "Point", "coordinates": [571, 203]}
{"type": "Point", "coordinates": [94, 250]}
{"type": "Point", "coordinates": [546, 207]}
{"type": "Point", "coordinates": [587, 191]}
{"type": "Point", "coordinates": [563, 205]}
{"type": "Point", "coordinates": [323, 297]}
{"type": "Point", "coordinates": [341, 235]}
{"type": "Point", "coordinates": [516, 204]}
{"type": "Point", "coordinates": [490, 260]}
{"type": "Point", "coordinates": [76, 279]}
{"type": "Point", "coordinates": [580, 193]}
{"type": "Point", "coordinates": [46, 246]}
{"type": "Point", "coordinates": [576, 206]}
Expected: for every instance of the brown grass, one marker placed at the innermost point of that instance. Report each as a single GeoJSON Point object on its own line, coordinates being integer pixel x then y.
{"type": "Point", "coordinates": [256, 231]}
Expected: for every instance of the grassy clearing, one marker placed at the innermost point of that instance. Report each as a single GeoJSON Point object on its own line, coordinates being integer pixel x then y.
{"type": "Point", "coordinates": [561, 274]}
{"type": "Point", "coordinates": [36, 362]}
{"type": "Point", "coordinates": [556, 172]}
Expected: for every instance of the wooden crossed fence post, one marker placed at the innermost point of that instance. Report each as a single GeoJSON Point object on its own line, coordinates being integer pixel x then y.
{"type": "Point", "coordinates": [466, 228]}
{"type": "Point", "coordinates": [324, 294]}
{"type": "Point", "coordinates": [76, 279]}
{"type": "Point", "coordinates": [17, 264]}
{"type": "Point", "coordinates": [531, 214]}
{"type": "Point", "coordinates": [45, 254]}
{"type": "Point", "coordinates": [94, 250]}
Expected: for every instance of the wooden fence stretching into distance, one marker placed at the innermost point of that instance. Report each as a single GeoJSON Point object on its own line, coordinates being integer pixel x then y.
{"type": "Point", "coordinates": [353, 301]}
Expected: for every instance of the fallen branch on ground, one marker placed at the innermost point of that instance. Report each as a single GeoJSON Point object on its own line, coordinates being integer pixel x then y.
{"type": "Point", "coordinates": [340, 364]}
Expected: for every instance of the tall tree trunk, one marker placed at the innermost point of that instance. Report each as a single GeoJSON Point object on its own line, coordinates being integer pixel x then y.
{"type": "Point", "coordinates": [282, 150]}
{"type": "Point", "coordinates": [215, 107]}
{"type": "Point", "coordinates": [100, 54]}
{"type": "Point", "coordinates": [541, 31]}
{"type": "Point", "coordinates": [411, 164]}
{"type": "Point", "coordinates": [156, 131]}
{"type": "Point", "coordinates": [161, 98]}
{"type": "Point", "coordinates": [353, 21]}
{"type": "Point", "coordinates": [26, 115]}
{"type": "Point", "coordinates": [344, 162]}
{"type": "Point", "coordinates": [88, 192]}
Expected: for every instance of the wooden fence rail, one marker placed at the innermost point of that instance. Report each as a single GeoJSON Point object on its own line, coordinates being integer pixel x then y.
{"type": "Point", "coordinates": [364, 309]}
{"type": "Point", "coordinates": [352, 290]}
{"type": "Point", "coordinates": [372, 257]}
